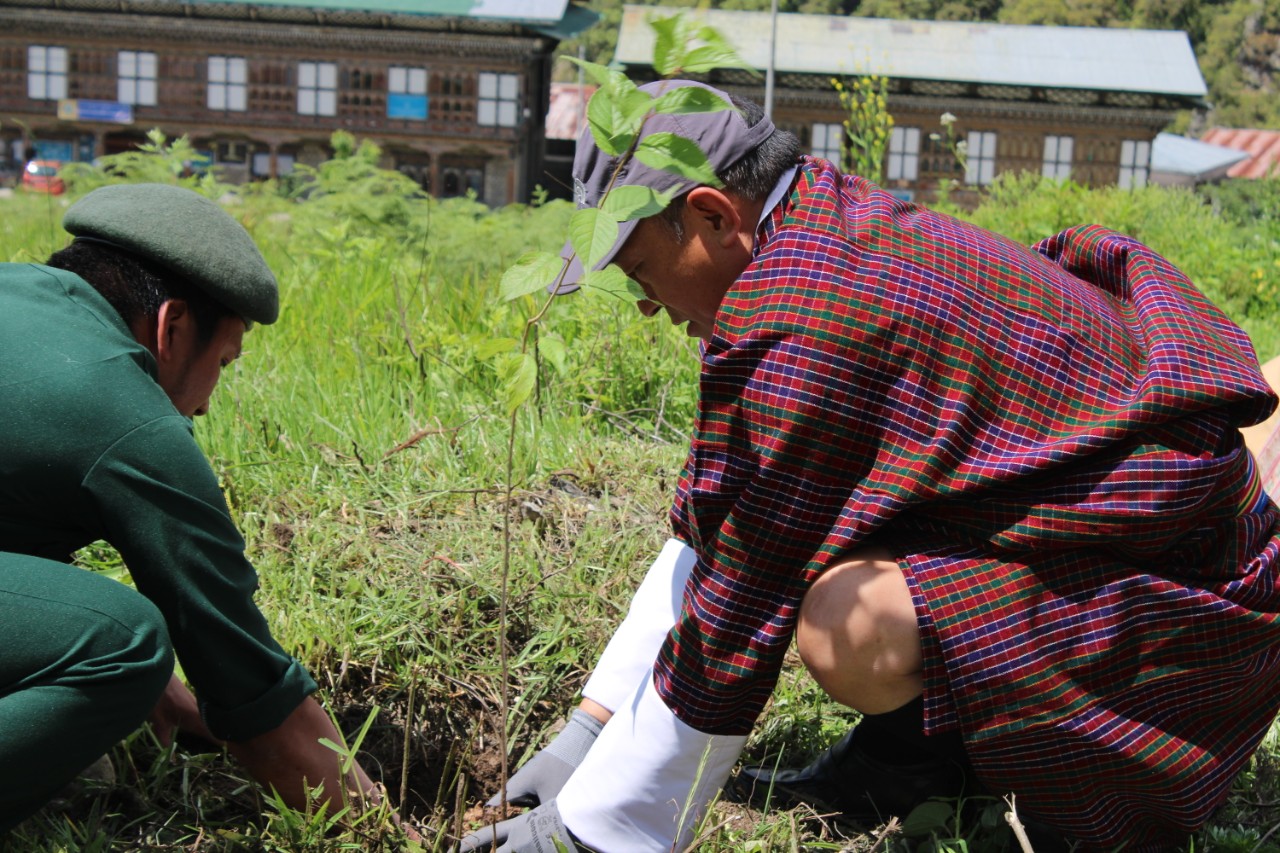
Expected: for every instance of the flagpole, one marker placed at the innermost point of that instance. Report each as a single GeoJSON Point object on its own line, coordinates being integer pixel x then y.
{"type": "Point", "coordinates": [768, 74]}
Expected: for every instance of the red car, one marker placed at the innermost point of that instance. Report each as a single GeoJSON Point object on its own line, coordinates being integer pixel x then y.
{"type": "Point", "coordinates": [41, 176]}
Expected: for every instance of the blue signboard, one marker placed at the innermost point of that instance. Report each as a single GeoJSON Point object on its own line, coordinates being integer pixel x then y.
{"type": "Point", "coordinates": [407, 106]}
{"type": "Point", "coordinates": [109, 111]}
{"type": "Point", "coordinates": [104, 111]}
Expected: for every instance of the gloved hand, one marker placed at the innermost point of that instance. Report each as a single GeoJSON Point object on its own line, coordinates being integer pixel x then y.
{"type": "Point", "coordinates": [537, 831]}
{"type": "Point", "coordinates": [542, 777]}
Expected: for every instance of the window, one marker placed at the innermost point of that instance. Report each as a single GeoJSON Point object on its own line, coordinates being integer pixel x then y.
{"type": "Point", "coordinates": [828, 142]}
{"type": "Point", "coordinates": [227, 78]}
{"type": "Point", "coordinates": [1057, 157]}
{"type": "Point", "coordinates": [1135, 159]}
{"type": "Point", "coordinates": [136, 77]}
{"type": "Point", "coordinates": [46, 73]}
{"type": "Point", "coordinates": [499, 100]}
{"type": "Point", "coordinates": [462, 180]}
{"type": "Point", "coordinates": [317, 89]}
{"type": "Point", "coordinates": [406, 92]}
{"type": "Point", "coordinates": [980, 165]}
{"type": "Point", "coordinates": [260, 164]}
{"type": "Point", "coordinates": [903, 163]}
{"type": "Point", "coordinates": [232, 151]}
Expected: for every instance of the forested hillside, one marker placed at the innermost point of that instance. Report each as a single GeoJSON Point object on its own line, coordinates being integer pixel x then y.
{"type": "Point", "coordinates": [1237, 41]}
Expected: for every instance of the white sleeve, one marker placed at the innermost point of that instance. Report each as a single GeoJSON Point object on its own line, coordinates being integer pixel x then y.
{"type": "Point", "coordinates": [653, 611]}
{"type": "Point", "coordinates": [648, 779]}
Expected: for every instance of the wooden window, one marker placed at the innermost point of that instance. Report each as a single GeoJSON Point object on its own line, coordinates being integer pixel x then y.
{"type": "Point", "coordinates": [827, 141]}
{"type": "Point", "coordinates": [980, 165]}
{"type": "Point", "coordinates": [499, 101]}
{"type": "Point", "coordinates": [46, 73]}
{"type": "Point", "coordinates": [136, 77]}
{"type": "Point", "coordinates": [228, 83]}
{"type": "Point", "coordinates": [317, 88]}
{"type": "Point", "coordinates": [406, 92]}
{"type": "Point", "coordinates": [1057, 156]}
{"type": "Point", "coordinates": [903, 162]}
{"type": "Point", "coordinates": [1135, 161]}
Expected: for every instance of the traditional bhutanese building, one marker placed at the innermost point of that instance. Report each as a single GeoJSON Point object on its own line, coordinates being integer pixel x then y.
{"type": "Point", "coordinates": [454, 91]}
{"type": "Point", "coordinates": [1083, 102]}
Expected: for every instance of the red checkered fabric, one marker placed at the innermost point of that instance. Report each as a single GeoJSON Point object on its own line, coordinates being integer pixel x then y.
{"type": "Point", "coordinates": [1047, 441]}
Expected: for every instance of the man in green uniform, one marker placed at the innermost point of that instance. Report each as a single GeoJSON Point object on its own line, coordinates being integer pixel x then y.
{"type": "Point", "coordinates": [106, 354]}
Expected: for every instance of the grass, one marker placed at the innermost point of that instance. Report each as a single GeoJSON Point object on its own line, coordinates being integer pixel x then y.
{"type": "Point", "coordinates": [361, 445]}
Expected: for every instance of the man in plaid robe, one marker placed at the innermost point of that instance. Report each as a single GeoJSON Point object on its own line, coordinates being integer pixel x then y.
{"type": "Point", "coordinates": [998, 491]}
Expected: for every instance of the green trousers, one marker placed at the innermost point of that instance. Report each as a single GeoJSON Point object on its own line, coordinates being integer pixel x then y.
{"type": "Point", "coordinates": [83, 660]}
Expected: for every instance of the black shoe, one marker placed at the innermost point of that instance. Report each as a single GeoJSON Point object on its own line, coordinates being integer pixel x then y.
{"type": "Point", "coordinates": [848, 781]}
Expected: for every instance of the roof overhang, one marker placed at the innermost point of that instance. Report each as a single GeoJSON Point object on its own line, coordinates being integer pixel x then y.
{"type": "Point", "coordinates": [558, 19]}
{"type": "Point", "coordinates": [1158, 62]}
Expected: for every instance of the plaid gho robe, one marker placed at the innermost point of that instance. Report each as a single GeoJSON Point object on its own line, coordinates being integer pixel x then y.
{"type": "Point", "coordinates": [1047, 442]}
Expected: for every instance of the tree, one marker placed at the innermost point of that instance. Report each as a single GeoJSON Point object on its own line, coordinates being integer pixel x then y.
{"type": "Point", "coordinates": [1068, 13]}
{"type": "Point", "coordinates": [1240, 59]}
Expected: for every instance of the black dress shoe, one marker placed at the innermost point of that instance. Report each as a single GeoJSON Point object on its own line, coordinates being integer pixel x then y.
{"type": "Point", "coordinates": [846, 780]}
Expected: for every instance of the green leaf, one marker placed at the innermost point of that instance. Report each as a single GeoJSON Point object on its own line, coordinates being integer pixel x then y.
{"type": "Point", "coordinates": [669, 44]}
{"type": "Point", "coordinates": [927, 817]}
{"type": "Point", "coordinates": [490, 347]}
{"type": "Point", "coordinates": [678, 155]}
{"type": "Point", "coordinates": [632, 108]}
{"type": "Point", "coordinates": [702, 59]}
{"type": "Point", "coordinates": [553, 348]}
{"type": "Point", "coordinates": [615, 120]}
{"type": "Point", "coordinates": [690, 99]}
{"type": "Point", "coordinates": [634, 202]}
{"type": "Point", "coordinates": [951, 845]}
{"type": "Point", "coordinates": [613, 281]}
{"type": "Point", "coordinates": [336, 747]}
{"type": "Point", "coordinates": [602, 118]}
{"type": "Point", "coordinates": [608, 79]}
{"type": "Point", "coordinates": [532, 272]}
{"type": "Point", "coordinates": [518, 373]}
{"type": "Point", "coordinates": [592, 234]}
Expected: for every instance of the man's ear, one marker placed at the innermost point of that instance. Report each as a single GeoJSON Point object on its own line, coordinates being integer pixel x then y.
{"type": "Point", "coordinates": [174, 329]}
{"type": "Point", "coordinates": [715, 213]}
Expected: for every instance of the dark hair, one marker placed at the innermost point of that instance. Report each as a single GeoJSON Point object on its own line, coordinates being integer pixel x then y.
{"type": "Point", "coordinates": [137, 288]}
{"type": "Point", "coordinates": [755, 175]}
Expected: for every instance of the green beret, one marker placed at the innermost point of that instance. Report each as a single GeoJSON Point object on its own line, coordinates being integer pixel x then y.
{"type": "Point", "coordinates": [185, 233]}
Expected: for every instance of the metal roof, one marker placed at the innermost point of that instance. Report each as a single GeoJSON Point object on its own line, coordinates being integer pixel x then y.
{"type": "Point", "coordinates": [531, 13]}
{"type": "Point", "coordinates": [567, 112]}
{"type": "Point", "coordinates": [1261, 146]}
{"type": "Point", "coordinates": [1181, 155]}
{"type": "Point", "coordinates": [1106, 59]}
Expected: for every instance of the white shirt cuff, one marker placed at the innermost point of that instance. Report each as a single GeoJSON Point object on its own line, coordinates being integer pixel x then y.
{"type": "Point", "coordinates": [648, 779]}
{"type": "Point", "coordinates": [653, 611]}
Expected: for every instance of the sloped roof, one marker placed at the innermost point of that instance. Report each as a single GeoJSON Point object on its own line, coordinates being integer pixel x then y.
{"type": "Point", "coordinates": [1095, 58]}
{"type": "Point", "coordinates": [555, 17]}
{"type": "Point", "coordinates": [1261, 146]}
{"type": "Point", "coordinates": [567, 113]}
{"type": "Point", "coordinates": [1181, 155]}
{"type": "Point", "coordinates": [523, 11]}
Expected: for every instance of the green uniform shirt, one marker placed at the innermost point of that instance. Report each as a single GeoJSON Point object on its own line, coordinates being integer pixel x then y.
{"type": "Point", "coordinates": [91, 448]}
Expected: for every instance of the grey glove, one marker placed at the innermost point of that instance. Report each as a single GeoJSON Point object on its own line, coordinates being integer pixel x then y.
{"type": "Point", "coordinates": [537, 831]}
{"type": "Point", "coordinates": [542, 777]}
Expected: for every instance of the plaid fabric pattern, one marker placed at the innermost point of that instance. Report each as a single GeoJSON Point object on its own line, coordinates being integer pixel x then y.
{"type": "Point", "coordinates": [1047, 441]}
{"type": "Point", "coordinates": [1269, 464]}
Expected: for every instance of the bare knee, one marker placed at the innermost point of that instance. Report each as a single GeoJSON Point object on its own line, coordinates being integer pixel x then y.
{"type": "Point", "coordinates": [858, 636]}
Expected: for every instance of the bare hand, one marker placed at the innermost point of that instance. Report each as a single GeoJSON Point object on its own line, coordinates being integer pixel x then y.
{"type": "Point", "coordinates": [177, 711]}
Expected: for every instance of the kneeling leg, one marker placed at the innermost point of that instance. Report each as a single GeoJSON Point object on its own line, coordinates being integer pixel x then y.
{"type": "Point", "coordinates": [84, 661]}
